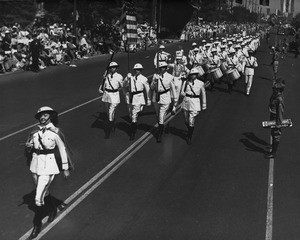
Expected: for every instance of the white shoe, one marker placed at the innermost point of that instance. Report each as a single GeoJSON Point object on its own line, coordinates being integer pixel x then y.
{"type": "Point", "coordinates": [73, 65]}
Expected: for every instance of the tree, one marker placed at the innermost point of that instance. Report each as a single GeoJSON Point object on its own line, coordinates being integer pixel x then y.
{"type": "Point", "coordinates": [296, 21]}
{"type": "Point", "coordinates": [23, 12]}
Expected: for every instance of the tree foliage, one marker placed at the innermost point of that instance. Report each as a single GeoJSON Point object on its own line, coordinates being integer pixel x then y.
{"type": "Point", "coordinates": [296, 21]}
{"type": "Point", "coordinates": [22, 12]}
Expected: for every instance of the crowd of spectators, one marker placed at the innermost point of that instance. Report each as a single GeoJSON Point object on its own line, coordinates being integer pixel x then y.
{"type": "Point", "coordinates": [211, 30]}
{"type": "Point", "coordinates": [56, 44]}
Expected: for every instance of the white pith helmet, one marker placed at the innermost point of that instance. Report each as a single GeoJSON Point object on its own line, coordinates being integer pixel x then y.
{"type": "Point", "coordinates": [113, 64]}
{"type": "Point", "coordinates": [43, 110]}
{"type": "Point", "coordinates": [137, 66]}
{"type": "Point", "coordinates": [193, 71]}
{"type": "Point", "coordinates": [162, 64]}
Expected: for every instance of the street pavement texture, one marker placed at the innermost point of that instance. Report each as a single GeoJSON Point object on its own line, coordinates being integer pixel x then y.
{"type": "Point", "coordinates": [216, 188]}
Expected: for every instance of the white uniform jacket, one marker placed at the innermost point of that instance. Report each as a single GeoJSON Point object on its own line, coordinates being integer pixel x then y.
{"type": "Point", "coordinates": [162, 57]}
{"type": "Point", "coordinates": [162, 86]}
{"type": "Point", "coordinates": [134, 88]}
{"type": "Point", "coordinates": [249, 64]}
{"type": "Point", "coordinates": [43, 158]}
{"type": "Point", "coordinates": [192, 92]}
{"type": "Point", "coordinates": [111, 87]}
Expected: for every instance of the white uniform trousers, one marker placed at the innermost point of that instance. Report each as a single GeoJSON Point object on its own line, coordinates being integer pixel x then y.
{"type": "Point", "coordinates": [42, 189]}
{"type": "Point", "coordinates": [189, 117]}
{"type": "Point", "coordinates": [161, 111]}
{"type": "Point", "coordinates": [134, 111]}
{"type": "Point", "coordinates": [110, 109]}
{"type": "Point", "coordinates": [249, 73]}
{"type": "Point", "coordinates": [177, 84]}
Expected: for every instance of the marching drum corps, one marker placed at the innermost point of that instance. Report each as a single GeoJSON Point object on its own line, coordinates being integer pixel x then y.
{"type": "Point", "coordinates": [181, 83]}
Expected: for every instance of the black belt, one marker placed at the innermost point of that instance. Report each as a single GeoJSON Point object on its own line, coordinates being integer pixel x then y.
{"type": "Point", "coordinates": [137, 92]}
{"type": "Point", "coordinates": [160, 93]}
{"type": "Point", "coordinates": [192, 96]}
{"type": "Point", "coordinates": [44, 151]}
{"type": "Point", "coordinates": [111, 90]}
{"type": "Point", "coordinates": [249, 67]}
{"type": "Point", "coordinates": [164, 91]}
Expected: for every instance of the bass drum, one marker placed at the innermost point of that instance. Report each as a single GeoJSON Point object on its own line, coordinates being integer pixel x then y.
{"type": "Point", "coordinates": [217, 73]}
{"type": "Point", "coordinates": [233, 74]}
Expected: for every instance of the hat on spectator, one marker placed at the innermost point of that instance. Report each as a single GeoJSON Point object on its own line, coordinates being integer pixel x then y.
{"type": "Point", "coordinates": [196, 49]}
{"type": "Point", "coordinates": [162, 64]}
{"type": "Point", "coordinates": [194, 44]}
{"type": "Point", "coordinates": [137, 66]}
{"type": "Point", "coordinates": [194, 71]}
{"type": "Point", "coordinates": [113, 64]}
{"type": "Point", "coordinates": [161, 47]}
{"type": "Point", "coordinates": [204, 41]}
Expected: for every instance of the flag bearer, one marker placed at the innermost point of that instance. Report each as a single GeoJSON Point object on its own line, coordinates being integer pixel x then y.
{"type": "Point", "coordinates": [136, 90]}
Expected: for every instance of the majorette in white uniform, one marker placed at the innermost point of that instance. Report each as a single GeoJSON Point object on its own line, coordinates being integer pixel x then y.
{"type": "Point", "coordinates": [136, 89]}
{"type": "Point", "coordinates": [163, 88]}
{"type": "Point", "coordinates": [192, 91]}
{"type": "Point", "coordinates": [41, 147]}
{"type": "Point", "coordinates": [110, 87]}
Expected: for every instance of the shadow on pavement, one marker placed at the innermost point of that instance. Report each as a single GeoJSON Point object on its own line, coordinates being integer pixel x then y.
{"type": "Point", "coordinates": [250, 143]}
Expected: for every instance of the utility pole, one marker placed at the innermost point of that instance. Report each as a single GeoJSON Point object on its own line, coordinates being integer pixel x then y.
{"type": "Point", "coordinates": [75, 18]}
{"type": "Point", "coordinates": [219, 12]}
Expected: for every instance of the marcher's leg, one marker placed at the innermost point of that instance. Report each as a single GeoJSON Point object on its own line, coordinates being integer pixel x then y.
{"type": "Point", "coordinates": [249, 84]}
{"type": "Point", "coordinates": [111, 116]}
{"type": "Point", "coordinates": [162, 113]}
{"type": "Point", "coordinates": [42, 189]}
{"type": "Point", "coordinates": [191, 125]}
{"type": "Point", "coordinates": [134, 116]}
{"type": "Point", "coordinates": [43, 183]}
{"type": "Point", "coordinates": [52, 210]}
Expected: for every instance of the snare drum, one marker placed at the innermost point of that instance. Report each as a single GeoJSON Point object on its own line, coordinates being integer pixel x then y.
{"type": "Point", "coordinates": [223, 67]}
{"type": "Point", "coordinates": [217, 73]}
{"type": "Point", "coordinates": [233, 74]}
{"type": "Point", "coordinates": [201, 71]}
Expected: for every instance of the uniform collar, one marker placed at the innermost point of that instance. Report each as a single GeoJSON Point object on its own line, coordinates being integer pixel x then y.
{"type": "Point", "coordinates": [48, 126]}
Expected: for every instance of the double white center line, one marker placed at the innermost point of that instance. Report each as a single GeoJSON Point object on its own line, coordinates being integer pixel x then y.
{"type": "Point", "coordinates": [97, 180]}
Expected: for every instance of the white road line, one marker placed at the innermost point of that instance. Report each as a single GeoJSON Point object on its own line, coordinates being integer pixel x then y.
{"type": "Point", "coordinates": [31, 126]}
{"type": "Point", "coordinates": [269, 222]}
{"type": "Point", "coordinates": [69, 110]}
{"type": "Point", "coordinates": [122, 158]}
{"type": "Point", "coordinates": [90, 190]}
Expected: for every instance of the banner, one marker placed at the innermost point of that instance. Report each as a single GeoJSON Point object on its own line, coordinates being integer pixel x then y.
{"type": "Point", "coordinates": [128, 22]}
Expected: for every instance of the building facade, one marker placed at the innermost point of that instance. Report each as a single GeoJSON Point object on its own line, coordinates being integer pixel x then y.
{"type": "Point", "coordinates": [288, 8]}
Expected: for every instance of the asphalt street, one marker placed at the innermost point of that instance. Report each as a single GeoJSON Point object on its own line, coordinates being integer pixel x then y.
{"type": "Point", "coordinates": [216, 188]}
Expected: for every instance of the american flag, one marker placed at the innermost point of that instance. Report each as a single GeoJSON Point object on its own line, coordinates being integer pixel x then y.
{"type": "Point", "coordinates": [128, 22]}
